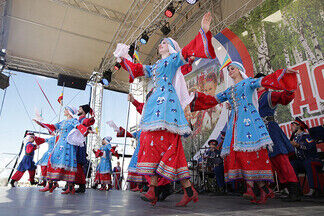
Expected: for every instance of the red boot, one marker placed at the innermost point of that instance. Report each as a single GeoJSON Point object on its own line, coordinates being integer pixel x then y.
{"type": "Point", "coordinates": [55, 185]}
{"type": "Point", "coordinates": [265, 193]}
{"type": "Point", "coordinates": [103, 187]}
{"type": "Point", "coordinates": [151, 195]}
{"type": "Point", "coordinates": [69, 190]}
{"type": "Point", "coordinates": [135, 189]}
{"type": "Point", "coordinates": [46, 188]}
{"type": "Point", "coordinates": [249, 194]}
{"type": "Point", "coordinates": [186, 199]}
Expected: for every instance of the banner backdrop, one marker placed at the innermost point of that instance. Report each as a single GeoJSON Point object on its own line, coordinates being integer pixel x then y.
{"type": "Point", "coordinates": [277, 34]}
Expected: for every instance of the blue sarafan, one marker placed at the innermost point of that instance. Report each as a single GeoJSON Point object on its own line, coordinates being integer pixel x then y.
{"type": "Point", "coordinates": [64, 154]}
{"type": "Point", "coordinates": [133, 163]}
{"type": "Point", "coordinates": [250, 131]}
{"type": "Point", "coordinates": [44, 160]}
{"type": "Point", "coordinates": [104, 165]}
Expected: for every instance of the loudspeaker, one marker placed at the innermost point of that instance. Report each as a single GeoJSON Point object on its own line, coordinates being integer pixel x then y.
{"type": "Point", "coordinates": [72, 82]}
{"type": "Point", "coordinates": [4, 81]}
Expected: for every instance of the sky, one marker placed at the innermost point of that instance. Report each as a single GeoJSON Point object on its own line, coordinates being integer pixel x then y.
{"type": "Point", "coordinates": [15, 120]}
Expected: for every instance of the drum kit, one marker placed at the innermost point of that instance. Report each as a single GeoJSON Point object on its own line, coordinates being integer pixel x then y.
{"type": "Point", "coordinates": [202, 174]}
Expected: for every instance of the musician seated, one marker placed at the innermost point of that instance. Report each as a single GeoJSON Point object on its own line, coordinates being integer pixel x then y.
{"type": "Point", "coordinates": [306, 159]}
{"type": "Point", "coordinates": [215, 161]}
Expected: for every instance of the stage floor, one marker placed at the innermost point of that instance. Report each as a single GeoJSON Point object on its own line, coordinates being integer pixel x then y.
{"type": "Point", "coordinates": [30, 202]}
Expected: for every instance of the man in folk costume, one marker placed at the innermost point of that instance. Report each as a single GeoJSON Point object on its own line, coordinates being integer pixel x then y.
{"type": "Point", "coordinates": [307, 158]}
{"type": "Point", "coordinates": [62, 163]}
{"type": "Point", "coordinates": [117, 176]}
{"type": "Point", "coordinates": [81, 151]}
{"type": "Point", "coordinates": [44, 160]}
{"type": "Point", "coordinates": [104, 168]}
{"type": "Point", "coordinates": [246, 141]}
{"type": "Point", "coordinates": [163, 121]}
{"type": "Point", "coordinates": [268, 101]}
{"type": "Point", "coordinates": [27, 162]}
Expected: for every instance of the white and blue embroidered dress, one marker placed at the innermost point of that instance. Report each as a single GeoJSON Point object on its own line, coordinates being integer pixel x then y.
{"type": "Point", "coordinates": [44, 160]}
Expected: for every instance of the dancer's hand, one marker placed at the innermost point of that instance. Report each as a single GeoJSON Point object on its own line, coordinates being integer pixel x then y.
{"type": "Point", "coordinates": [205, 22]}
{"type": "Point", "coordinates": [131, 97]}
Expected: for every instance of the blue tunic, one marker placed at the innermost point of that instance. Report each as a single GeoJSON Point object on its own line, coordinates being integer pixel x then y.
{"type": "Point", "coordinates": [250, 131]}
{"type": "Point", "coordinates": [133, 163]}
{"type": "Point", "coordinates": [104, 165]}
{"type": "Point", "coordinates": [27, 162]}
{"type": "Point", "coordinates": [281, 144]}
{"type": "Point", "coordinates": [162, 110]}
{"type": "Point", "coordinates": [64, 154]}
{"type": "Point", "coordinates": [44, 160]}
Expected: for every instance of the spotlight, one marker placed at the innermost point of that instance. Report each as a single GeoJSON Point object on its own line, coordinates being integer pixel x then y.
{"type": "Point", "coordinates": [117, 66]}
{"type": "Point", "coordinates": [192, 2]}
{"type": "Point", "coordinates": [131, 50]}
{"type": "Point", "coordinates": [166, 28]}
{"type": "Point", "coordinates": [169, 12]}
{"type": "Point", "coordinates": [106, 77]}
{"type": "Point", "coordinates": [144, 38]}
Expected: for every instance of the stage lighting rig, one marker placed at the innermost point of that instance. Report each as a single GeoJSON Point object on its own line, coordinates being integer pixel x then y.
{"type": "Point", "coordinates": [192, 2]}
{"type": "Point", "coordinates": [106, 77]}
{"type": "Point", "coordinates": [169, 12]}
{"type": "Point", "coordinates": [144, 38]}
{"type": "Point", "coordinates": [131, 50]}
{"type": "Point", "coordinates": [117, 66]}
{"type": "Point", "coordinates": [165, 29]}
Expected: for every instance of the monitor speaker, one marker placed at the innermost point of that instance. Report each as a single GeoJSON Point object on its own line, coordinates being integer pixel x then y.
{"type": "Point", "coordinates": [72, 82]}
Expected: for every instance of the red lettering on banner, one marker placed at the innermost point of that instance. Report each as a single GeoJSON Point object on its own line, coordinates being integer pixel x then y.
{"type": "Point", "coordinates": [305, 96]}
{"type": "Point", "coordinates": [319, 80]}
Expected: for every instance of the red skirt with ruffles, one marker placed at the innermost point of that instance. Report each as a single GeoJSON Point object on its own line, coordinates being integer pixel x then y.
{"type": "Point", "coordinates": [250, 166]}
{"type": "Point", "coordinates": [103, 178]}
{"type": "Point", "coordinates": [161, 153]}
{"type": "Point", "coordinates": [59, 174]}
{"type": "Point", "coordinates": [134, 177]}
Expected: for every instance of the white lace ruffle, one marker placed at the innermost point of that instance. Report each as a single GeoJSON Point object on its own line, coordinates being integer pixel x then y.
{"type": "Point", "coordinates": [76, 138]}
{"type": "Point", "coordinates": [121, 51]}
{"type": "Point", "coordinates": [164, 126]}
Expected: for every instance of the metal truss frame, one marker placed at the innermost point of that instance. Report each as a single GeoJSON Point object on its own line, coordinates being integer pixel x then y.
{"type": "Point", "coordinates": [94, 9]}
{"type": "Point", "coordinates": [126, 37]}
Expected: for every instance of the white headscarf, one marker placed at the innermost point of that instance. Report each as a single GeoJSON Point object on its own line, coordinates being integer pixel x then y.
{"type": "Point", "coordinates": [178, 81]}
{"type": "Point", "coordinates": [230, 82]}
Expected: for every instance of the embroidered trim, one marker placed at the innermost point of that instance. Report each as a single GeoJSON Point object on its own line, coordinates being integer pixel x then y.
{"type": "Point", "coordinates": [205, 42]}
{"type": "Point", "coordinates": [128, 69]}
{"type": "Point", "coordinates": [164, 125]}
{"type": "Point", "coordinates": [249, 175]}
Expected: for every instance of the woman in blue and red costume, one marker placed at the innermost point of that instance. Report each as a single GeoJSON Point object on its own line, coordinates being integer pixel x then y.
{"type": "Point", "coordinates": [104, 168]}
{"type": "Point", "coordinates": [163, 121]}
{"type": "Point", "coordinates": [44, 160]}
{"type": "Point", "coordinates": [62, 164]}
{"type": "Point", "coordinates": [247, 139]}
{"type": "Point", "coordinates": [279, 157]}
{"type": "Point", "coordinates": [27, 162]}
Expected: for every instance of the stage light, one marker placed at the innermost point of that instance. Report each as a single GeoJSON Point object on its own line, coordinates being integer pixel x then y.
{"type": "Point", "coordinates": [106, 77]}
{"type": "Point", "coordinates": [117, 66]}
{"type": "Point", "coordinates": [192, 2]}
{"type": "Point", "coordinates": [166, 29]}
{"type": "Point", "coordinates": [131, 50]}
{"type": "Point", "coordinates": [169, 12]}
{"type": "Point", "coordinates": [144, 38]}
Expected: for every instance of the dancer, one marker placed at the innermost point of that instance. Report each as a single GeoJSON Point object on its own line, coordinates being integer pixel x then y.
{"type": "Point", "coordinates": [81, 151]}
{"type": "Point", "coordinates": [62, 165]}
{"type": "Point", "coordinates": [268, 101]}
{"type": "Point", "coordinates": [104, 168]}
{"type": "Point", "coordinates": [117, 179]}
{"type": "Point", "coordinates": [44, 160]}
{"type": "Point", "coordinates": [27, 162]}
{"type": "Point", "coordinates": [163, 121]}
{"type": "Point", "coordinates": [245, 146]}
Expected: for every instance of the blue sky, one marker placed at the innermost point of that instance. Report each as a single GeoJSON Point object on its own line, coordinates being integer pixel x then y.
{"type": "Point", "coordinates": [15, 121]}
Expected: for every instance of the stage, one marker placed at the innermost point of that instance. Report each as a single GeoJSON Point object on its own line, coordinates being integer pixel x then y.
{"type": "Point", "coordinates": [30, 202]}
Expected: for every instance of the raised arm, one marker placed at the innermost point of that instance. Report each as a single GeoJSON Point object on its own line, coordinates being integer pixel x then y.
{"type": "Point", "coordinates": [50, 127]}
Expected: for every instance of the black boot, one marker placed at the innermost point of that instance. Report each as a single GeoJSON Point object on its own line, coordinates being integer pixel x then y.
{"type": "Point", "coordinates": [81, 189]}
{"type": "Point", "coordinates": [12, 183]}
{"type": "Point", "coordinates": [65, 187]}
{"type": "Point", "coordinates": [294, 192]}
{"type": "Point", "coordinates": [94, 186]}
{"type": "Point", "coordinates": [33, 182]}
{"type": "Point", "coordinates": [165, 191]}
